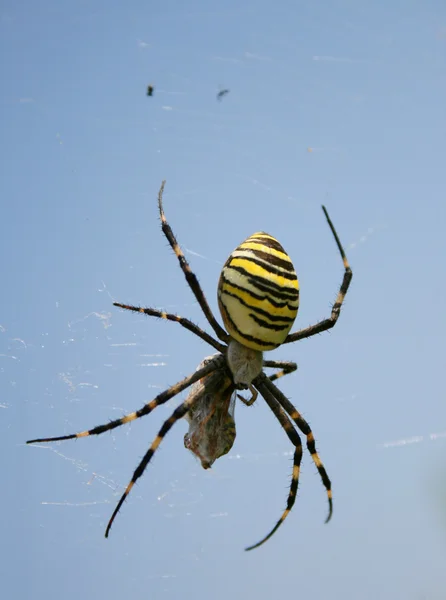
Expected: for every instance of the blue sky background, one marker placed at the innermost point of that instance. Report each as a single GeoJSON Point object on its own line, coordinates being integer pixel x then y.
{"type": "Point", "coordinates": [333, 102]}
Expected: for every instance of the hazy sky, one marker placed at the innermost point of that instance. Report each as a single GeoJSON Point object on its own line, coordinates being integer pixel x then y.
{"type": "Point", "coordinates": [337, 102]}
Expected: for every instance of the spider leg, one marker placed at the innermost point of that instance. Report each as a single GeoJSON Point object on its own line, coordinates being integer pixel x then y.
{"type": "Point", "coordinates": [286, 366]}
{"type": "Point", "coordinates": [336, 310]}
{"type": "Point", "coordinates": [295, 440]}
{"type": "Point", "coordinates": [306, 430]}
{"type": "Point", "coordinates": [251, 400]}
{"type": "Point", "coordinates": [146, 409]}
{"type": "Point", "coordinates": [177, 414]}
{"type": "Point", "coordinates": [190, 276]}
{"type": "Point", "coordinates": [152, 312]}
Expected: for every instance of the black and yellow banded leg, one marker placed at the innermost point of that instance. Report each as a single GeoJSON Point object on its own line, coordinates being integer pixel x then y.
{"type": "Point", "coordinates": [336, 310]}
{"type": "Point", "coordinates": [306, 430]}
{"type": "Point", "coordinates": [177, 414]}
{"type": "Point", "coordinates": [188, 273]}
{"type": "Point", "coordinates": [286, 367]}
{"type": "Point", "coordinates": [153, 312]}
{"type": "Point", "coordinates": [213, 365]}
{"type": "Point", "coordinates": [295, 440]}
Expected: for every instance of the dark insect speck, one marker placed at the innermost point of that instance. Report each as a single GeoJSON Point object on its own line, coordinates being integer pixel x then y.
{"type": "Point", "coordinates": [222, 93]}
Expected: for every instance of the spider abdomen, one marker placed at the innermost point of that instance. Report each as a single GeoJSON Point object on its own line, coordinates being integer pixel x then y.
{"type": "Point", "coordinates": [258, 293]}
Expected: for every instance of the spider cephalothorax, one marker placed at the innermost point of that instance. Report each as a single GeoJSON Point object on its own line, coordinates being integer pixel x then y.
{"type": "Point", "coordinates": [258, 297]}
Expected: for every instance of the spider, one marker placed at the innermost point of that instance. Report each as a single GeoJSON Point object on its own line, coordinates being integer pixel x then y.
{"type": "Point", "coordinates": [258, 298]}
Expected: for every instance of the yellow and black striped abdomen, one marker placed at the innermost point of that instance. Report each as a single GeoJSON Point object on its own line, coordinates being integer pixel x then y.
{"type": "Point", "coordinates": [258, 293]}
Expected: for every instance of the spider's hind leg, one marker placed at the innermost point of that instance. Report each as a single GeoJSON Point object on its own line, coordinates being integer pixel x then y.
{"type": "Point", "coordinates": [336, 310]}
{"type": "Point", "coordinates": [191, 278]}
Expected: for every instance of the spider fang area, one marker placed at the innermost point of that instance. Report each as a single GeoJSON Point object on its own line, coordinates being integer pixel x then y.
{"type": "Point", "coordinates": [245, 364]}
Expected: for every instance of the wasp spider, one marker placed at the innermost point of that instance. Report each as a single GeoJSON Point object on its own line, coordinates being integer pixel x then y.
{"type": "Point", "coordinates": [258, 297]}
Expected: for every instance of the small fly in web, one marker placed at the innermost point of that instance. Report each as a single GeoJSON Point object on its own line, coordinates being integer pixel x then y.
{"type": "Point", "coordinates": [258, 298]}
{"type": "Point", "coordinates": [222, 93]}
